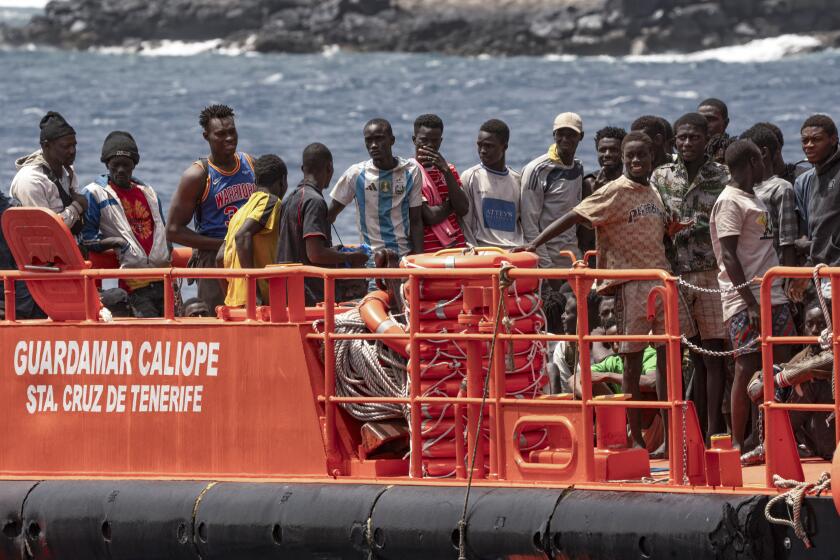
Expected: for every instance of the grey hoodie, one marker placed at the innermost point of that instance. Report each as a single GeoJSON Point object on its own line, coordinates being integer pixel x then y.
{"type": "Point", "coordinates": [32, 187]}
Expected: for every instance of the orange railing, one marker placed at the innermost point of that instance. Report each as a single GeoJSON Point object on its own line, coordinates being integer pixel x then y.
{"type": "Point", "coordinates": [287, 305]}
{"type": "Point", "coordinates": [776, 458]}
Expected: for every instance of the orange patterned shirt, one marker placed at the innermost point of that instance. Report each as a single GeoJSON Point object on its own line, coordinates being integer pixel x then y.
{"type": "Point", "coordinates": [629, 221]}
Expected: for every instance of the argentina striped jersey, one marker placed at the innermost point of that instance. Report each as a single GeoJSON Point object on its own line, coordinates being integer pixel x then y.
{"type": "Point", "coordinates": [383, 199]}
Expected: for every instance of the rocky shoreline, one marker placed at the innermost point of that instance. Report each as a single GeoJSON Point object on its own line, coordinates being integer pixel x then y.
{"type": "Point", "coordinates": [464, 27]}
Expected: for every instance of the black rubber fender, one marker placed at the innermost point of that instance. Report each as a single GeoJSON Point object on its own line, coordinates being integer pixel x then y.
{"type": "Point", "coordinates": [636, 525]}
{"type": "Point", "coordinates": [295, 521]}
{"type": "Point", "coordinates": [125, 520]}
{"type": "Point", "coordinates": [12, 497]}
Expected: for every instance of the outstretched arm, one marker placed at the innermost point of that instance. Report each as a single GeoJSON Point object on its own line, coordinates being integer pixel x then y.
{"type": "Point", "coordinates": [558, 226]}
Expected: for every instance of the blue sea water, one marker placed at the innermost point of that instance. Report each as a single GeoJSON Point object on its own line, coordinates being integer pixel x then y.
{"type": "Point", "coordinates": [284, 102]}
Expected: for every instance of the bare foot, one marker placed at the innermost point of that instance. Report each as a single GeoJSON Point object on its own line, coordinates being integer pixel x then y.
{"type": "Point", "coordinates": [661, 453]}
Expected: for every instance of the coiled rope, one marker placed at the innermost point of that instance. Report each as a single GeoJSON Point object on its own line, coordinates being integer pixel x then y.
{"type": "Point", "coordinates": [793, 498]}
{"type": "Point", "coordinates": [368, 369]}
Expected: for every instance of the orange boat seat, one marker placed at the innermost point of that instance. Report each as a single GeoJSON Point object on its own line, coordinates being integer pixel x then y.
{"type": "Point", "coordinates": [41, 242]}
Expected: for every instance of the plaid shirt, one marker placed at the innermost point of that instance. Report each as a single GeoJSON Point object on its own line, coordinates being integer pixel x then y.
{"type": "Point", "coordinates": [691, 249]}
{"type": "Point", "coordinates": [778, 196]}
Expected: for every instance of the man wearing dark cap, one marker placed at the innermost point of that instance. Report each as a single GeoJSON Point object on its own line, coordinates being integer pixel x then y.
{"type": "Point", "coordinates": [125, 214]}
{"type": "Point", "coordinates": [45, 179]}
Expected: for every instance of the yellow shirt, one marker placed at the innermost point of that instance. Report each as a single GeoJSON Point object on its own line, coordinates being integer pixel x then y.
{"type": "Point", "coordinates": [263, 208]}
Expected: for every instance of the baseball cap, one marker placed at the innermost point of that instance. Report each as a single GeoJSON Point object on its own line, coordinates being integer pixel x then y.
{"type": "Point", "coordinates": [568, 120]}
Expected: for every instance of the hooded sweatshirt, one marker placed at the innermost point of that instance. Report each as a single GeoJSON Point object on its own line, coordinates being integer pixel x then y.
{"type": "Point", "coordinates": [35, 186]}
{"type": "Point", "coordinates": [823, 202]}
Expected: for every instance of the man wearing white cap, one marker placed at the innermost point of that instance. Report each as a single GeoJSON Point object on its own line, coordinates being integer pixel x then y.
{"type": "Point", "coordinates": [551, 187]}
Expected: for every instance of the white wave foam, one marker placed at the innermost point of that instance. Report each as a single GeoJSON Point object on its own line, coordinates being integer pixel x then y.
{"type": "Point", "coordinates": [758, 50]}
{"type": "Point", "coordinates": [35, 4]}
{"type": "Point", "coordinates": [177, 48]}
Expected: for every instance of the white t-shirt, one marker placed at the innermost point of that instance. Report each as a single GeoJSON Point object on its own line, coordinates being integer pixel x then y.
{"type": "Point", "coordinates": [744, 215]}
{"type": "Point", "coordinates": [383, 199]}
{"type": "Point", "coordinates": [493, 217]}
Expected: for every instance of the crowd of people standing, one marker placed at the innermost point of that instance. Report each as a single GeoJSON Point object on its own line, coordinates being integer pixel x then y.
{"type": "Point", "coordinates": [687, 197]}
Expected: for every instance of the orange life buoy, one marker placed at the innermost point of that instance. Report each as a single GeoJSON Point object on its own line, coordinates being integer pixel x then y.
{"type": "Point", "coordinates": [434, 290]}
{"type": "Point", "coordinates": [448, 309]}
{"type": "Point", "coordinates": [458, 351]}
{"type": "Point", "coordinates": [374, 312]}
{"type": "Point", "coordinates": [514, 384]}
{"type": "Point", "coordinates": [477, 257]}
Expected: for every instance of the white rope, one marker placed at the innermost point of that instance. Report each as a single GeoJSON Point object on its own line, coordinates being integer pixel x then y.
{"type": "Point", "coordinates": [793, 498]}
{"type": "Point", "coordinates": [364, 369]}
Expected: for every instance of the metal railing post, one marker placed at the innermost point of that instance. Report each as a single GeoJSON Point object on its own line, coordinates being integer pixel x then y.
{"type": "Point", "coordinates": [416, 442]}
{"type": "Point", "coordinates": [765, 304]}
{"type": "Point", "coordinates": [168, 298]}
{"type": "Point", "coordinates": [330, 434]}
{"type": "Point", "coordinates": [835, 347]}
{"type": "Point", "coordinates": [581, 286]}
{"type": "Point", "coordinates": [9, 299]}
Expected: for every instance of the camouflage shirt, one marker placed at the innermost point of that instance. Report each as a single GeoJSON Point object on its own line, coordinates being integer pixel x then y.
{"type": "Point", "coordinates": [691, 249]}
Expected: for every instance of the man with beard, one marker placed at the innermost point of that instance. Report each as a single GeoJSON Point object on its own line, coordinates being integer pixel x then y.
{"type": "Point", "coordinates": [46, 179]}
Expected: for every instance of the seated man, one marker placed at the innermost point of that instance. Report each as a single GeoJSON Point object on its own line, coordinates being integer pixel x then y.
{"type": "Point", "coordinates": [45, 179]}
{"type": "Point", "coordinates": [25, 306]}
{"type": "Point", "coordinates": [608, 373]}
{"type": "Point", "coordinates": [251, 240]}
{"type": "Point", "coordinates": [305, 235]}
{"type": "Point", "coordinates": [125, 214]}
{"type": "Point", "coordinates": [805, 379]}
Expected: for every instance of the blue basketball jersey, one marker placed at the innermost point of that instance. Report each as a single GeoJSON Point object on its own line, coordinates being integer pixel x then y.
{"type": "Point", "coordinates": [223, 195]}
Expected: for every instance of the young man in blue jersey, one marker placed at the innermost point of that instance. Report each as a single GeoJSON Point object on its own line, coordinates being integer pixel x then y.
{"type": "Point", "coordinates": [388, 196]}
{"type": "Point", "coordinates": [210, 192]}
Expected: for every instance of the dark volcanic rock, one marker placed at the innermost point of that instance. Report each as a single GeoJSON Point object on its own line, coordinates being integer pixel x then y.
{"type": "Point", "coordinates": [554, 26]}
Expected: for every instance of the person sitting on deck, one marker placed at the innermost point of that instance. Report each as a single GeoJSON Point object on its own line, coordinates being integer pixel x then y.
{"type": "Point", "coordinates": [125, 214]}
{"type": "Point", "coordinates": [388, 195]}
{"type": "Point", "coordinates": [211, 190]}
{"type": "Point", "coordinates": [25, 306]}
{"type": "Point", "coordinates": [46, 179]}
{"type": "Point", "coordinates": [805, 379]}
{"type": "Point", "coordinates": [444, 201]}
{"type": "Point", "coordinates": [251, 240]}
{"type": "Point", "coordinates": [742, 238]}
{"type": "Point", "coordinates": [305, 235]}
{"type": "Point", "coordinates": [632, 225]}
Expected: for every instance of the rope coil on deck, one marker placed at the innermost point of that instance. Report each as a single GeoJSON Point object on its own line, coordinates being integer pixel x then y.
{"type": "Point", "coordinates": [368, 369]}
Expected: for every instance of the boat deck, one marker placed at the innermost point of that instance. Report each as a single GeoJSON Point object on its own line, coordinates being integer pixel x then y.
{"type": "Point", "coordinates": [754, 475]}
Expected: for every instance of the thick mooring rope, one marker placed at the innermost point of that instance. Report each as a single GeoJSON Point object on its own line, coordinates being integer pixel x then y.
{"type": "Point", "coordinates": [368, 369]}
